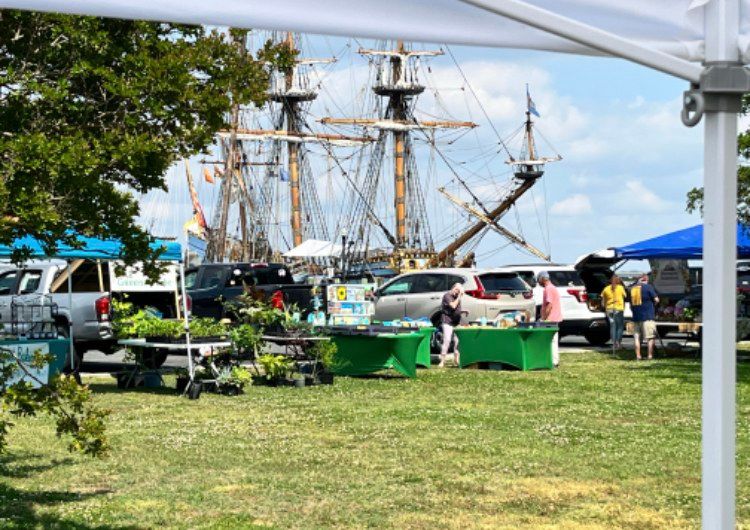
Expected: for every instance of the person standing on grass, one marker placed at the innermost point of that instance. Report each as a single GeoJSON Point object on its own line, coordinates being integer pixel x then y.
{"type": "Point", "coordinates": [643, 300]}
{"type": "Point", "coordinates": [551, 310]}
{"type": "Point", "coordinates": [450, 316]}
{"type": "Point", "coordinates": [613, 300]}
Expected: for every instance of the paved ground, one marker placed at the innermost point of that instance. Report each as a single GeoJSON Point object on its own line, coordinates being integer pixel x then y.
{"type": "Point", "coordinates": [96, 362]}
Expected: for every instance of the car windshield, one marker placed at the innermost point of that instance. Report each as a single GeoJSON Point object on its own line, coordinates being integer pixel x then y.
{"type": "Point", "coordinates": [566, 278]}
{"type": "Point", "coordinates": [502, 281]}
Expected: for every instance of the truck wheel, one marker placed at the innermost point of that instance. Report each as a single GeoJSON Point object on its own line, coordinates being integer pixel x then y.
{"type": "Point", "coordinates": [597, 338]}
{"type": "Point", "coordinates": [154, 358]}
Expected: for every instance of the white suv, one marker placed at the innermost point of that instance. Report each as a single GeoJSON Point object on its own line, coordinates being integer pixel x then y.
{"type": "Point", "coordinates": [578, 318]}
{"type": "Point", "coordinates": [489, 294]}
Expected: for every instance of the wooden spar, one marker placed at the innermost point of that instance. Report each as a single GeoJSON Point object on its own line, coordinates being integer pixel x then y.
{"type": "Point", "coordinates": [400, 188]}
{"type": "Point", "coordinates": [385, 124]}
{"type": "Point", "coordinates": [290, 109]}
{"type": "Point", "coordinates": [529, 137]}
{"type": "Point", "coordinates": [261, 134]}
{"type": "Point", "coordinates": [503, 207]}
{"type": "Point", "coordinates": [497, 227]}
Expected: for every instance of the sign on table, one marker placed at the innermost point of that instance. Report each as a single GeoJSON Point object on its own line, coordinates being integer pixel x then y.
{"type": "Point", "coordinates": [25, 353]}
{"type": "Point", "coordinates": [350, 304]}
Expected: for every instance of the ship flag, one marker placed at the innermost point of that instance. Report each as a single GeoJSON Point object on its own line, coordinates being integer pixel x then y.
{"type": "Point", "coordinates": [530, 107]}
{"type": "Point", "coordinates": [207, 175]}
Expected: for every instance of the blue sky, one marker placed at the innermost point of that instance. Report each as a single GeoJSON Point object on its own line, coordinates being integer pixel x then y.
{"type": "Point", "coordinates": [627, 159]}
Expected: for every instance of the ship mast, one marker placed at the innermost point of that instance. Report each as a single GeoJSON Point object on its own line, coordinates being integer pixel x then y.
{"type": "Point", "coordinates": [398, 83]}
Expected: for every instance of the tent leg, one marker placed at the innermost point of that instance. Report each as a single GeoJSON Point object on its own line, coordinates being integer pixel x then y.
{"type": "Point", "coordinates": [191, 365]}
{"type": "Point", "coordinates": [720, 278]}
{"type": "Point", "coordinates": [73, 368]}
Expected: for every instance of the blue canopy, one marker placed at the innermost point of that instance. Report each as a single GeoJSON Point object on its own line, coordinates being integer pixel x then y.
{"type": "Point", "coordinates": [682, 244]}
{"type": "Point", "coordinates": [104, 249]}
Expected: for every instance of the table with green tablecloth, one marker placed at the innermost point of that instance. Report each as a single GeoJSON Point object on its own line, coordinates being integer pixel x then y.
{"type": "Point", "coordinates": [360, 354]}
{"type": "Point", "coordinates": [423, 351]}
{"type": "Point", "coordinates": [24, 350]}
{"type": "Point", "coordinates": [523, 348]}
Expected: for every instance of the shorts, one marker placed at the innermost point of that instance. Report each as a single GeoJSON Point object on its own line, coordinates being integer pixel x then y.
{"type": "Point", "coordinates": [645, 329]}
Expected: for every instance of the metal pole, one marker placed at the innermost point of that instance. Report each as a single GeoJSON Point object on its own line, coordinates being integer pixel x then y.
{"type": "Point", "coordinates": [719, 286]}
{"type": "Point", "coordinates": [70, 319]}
{"type": "Point", "coordinates": [191, 367]}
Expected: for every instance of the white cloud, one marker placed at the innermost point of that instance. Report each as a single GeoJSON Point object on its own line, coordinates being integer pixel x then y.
{"type": "Point", "coordinates": [574, 205]}
{"type": "Point", "coordinates": [639, 197]}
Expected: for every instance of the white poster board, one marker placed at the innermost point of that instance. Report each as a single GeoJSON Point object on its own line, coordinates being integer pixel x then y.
{"type": "Point", "coordinates": [25, 353]}
{"type": "Point", "coordinates": [670, 276]}
{"type": "Point", "coordinates": [350, 304]}
{"type": "Point", "coordinates": [134, 281]}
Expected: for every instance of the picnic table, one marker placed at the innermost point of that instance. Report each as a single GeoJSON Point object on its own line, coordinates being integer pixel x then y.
{"type": "Point", "coordinates": [524, 348]}
{"type": "Point", "coordinates": [363, 352]}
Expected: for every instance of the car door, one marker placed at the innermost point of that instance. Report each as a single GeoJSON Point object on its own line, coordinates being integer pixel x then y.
{"type": "Point", "coordinates": [208, 287]}
{"type": "Point", "coordinates": [391, 299]}
{"type": "Point", "coordinates": [425, 296]}
{"type": "Point", "coordinates": [8, 285]}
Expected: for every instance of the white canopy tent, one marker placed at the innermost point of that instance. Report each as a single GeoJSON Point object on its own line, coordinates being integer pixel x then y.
{"type": "Point", "coordinates": [669, 35]}
{"type": "Point", "coordinates": [315, 248]}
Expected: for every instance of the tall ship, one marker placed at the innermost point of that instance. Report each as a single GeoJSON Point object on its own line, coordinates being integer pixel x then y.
{"type": "Point", "coordinates": [361, 190]}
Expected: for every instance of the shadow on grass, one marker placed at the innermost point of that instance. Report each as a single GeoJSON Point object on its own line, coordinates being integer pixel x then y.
{"type": "Point", "coordinates": [111, 388]}
{"type": "Point", "coordinates": [19, 508]}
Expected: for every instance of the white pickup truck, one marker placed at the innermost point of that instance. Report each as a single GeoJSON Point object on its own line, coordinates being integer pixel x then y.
{"type": "Point", "coordinates": [93, 284]}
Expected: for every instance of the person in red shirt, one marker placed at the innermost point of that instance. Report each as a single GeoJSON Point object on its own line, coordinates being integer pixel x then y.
{"type": "Point", "coordinates": [551, 310]}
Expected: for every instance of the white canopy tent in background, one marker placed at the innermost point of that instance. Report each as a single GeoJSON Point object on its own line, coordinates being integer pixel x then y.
{"type": "Point", "coordinates": [669, 35]}
{"type": "Point", "coordinates": [315, 248]}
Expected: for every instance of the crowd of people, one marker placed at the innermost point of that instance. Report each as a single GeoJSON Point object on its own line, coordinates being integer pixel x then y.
{"type": "Point", "coordinates": [642, 298]}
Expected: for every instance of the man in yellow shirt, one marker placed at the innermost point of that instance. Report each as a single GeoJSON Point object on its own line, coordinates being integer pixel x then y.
{"type": "Point", "coordinates": [613, 302]}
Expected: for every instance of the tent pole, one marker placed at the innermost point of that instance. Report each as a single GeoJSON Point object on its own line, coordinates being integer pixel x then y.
{"type": "Point", "coordinates": [70, 320]}
{"type": "Point", "coordinates": [191, 367]}
{"type": "Point", "coordinates": [720, 277]}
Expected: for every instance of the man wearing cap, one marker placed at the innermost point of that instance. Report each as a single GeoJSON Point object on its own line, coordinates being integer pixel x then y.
{"type": "Point", "coordinates": [643, 300]}
{"type": "Point", "coordinates": [551, 309]}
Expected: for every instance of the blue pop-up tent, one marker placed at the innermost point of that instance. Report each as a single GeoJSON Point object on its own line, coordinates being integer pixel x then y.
{"type": "Point", "coordinates": [682, 244]}
{"type": "Point", "coordinates": [90, 248]}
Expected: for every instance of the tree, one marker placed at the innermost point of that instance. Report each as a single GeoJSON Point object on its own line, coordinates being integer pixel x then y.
{"type": "Point", "coordinates": [91, 110]}
{"type": "Point", "coordinates": [695, 196]}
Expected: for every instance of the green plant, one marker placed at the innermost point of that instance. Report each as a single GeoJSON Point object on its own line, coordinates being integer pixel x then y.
{"type": "Point", "coordinates": [152, 326]}
{"type": "Point", "coordinates": [207, 327]}
{"type": "Point", "coordinates": [249, 310]}
{"type": "Point", "coordinates": [324, 353]}
{"type": "Point", "coordinates": [241, 376]}
{"type": "Point", "coordinates": [275, 366]}
{"type": "Point", "coordinates": [246, 338]}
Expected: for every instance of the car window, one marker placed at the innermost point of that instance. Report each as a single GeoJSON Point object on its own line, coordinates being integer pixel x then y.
{"type": "Point", "coordinates": [212, 277]}
{"type": "Point", "coordinates": [29, 282]}
{"type": "Point", "coordinates": [8, 282]}
{"type": "Point", "coordinates": [190, 277]}
{"type": "Point", "coordinates": [86, 276]}
{"type": "Point", "coordinates": [502, 281]}
{"type": "Point", "coordinates": [528, 277]}
{"type": "Point", "coordinates": [428, 283]}
{"type": "Point", "coordinates": [566, 278]}
{"type": "Point", "coordinates": [268, 276]}
{"type": "Point", "coordinates": [449, 280]}
{"type": "Point", "coordinates": [400, 286]}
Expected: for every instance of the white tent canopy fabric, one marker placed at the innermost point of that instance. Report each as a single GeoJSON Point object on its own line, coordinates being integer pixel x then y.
{"type": "Point", "coordinates": [671, 26]}
{"type": "Point", "coordinates": [314, 248]}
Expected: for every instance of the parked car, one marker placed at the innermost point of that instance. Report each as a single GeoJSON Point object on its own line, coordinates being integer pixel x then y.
{"type": "Point", "coordinates": [489, 294]}
{"type": "Point", "coordinates": [578, 316]}
{"type": "Point", "coordinates": [88, 317]}
{"type": "Point", "coordinates": [212, 285]}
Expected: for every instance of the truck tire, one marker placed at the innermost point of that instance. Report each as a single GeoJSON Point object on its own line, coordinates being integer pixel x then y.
{"type": "Point", "coordinates": [597, 338]}
{"type": "Point", "coordinates": [154, 358]}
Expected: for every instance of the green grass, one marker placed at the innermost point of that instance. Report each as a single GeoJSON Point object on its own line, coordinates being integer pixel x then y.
{"type": "Point", "coordinates": [600, 443]}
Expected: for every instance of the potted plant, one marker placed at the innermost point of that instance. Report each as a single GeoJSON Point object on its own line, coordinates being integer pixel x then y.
{"type": "Point", "coordinates": [205, 329]}
{"type": "Point", "coordinates": [275, 367]}
{"type": "Point", "coordinates": [182, 380]}
{"type": "Point", "coordinates": [324, 354]}
{"type": "Point", "coordinates": [231, 381]}
{"type": "Point", "coordinates": [247, 340]}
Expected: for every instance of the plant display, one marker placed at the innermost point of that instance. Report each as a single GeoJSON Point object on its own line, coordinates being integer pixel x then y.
{"type": "Point", "coordinates": [275, 367]}
{"type": "Point", "coordinates": [246, 338]}
{"type": "Point", "coordinates": [157, 327]}
{"type": "Point", "coordinates": [127, 322]}
{"type": "Point", "coordinates": [249, 310]}
{"type": "Point", "coordinates": [324, 353]}
{"type": "Point", "coordinates": [207, 327]}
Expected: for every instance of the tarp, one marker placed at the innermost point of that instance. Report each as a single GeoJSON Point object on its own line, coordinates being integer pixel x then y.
{"type": "Point", "coordinates": [672, 26]}
{"type": "Point", "coordinates": [315, 248]}
{"type": "Point", "coordinates": [104, 249]}
{"type": "Point", "coordinates": [682, 244]}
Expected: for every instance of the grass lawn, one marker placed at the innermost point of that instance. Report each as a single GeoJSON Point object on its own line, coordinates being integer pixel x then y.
{"type": "Point", "coordinates": [599, 443]}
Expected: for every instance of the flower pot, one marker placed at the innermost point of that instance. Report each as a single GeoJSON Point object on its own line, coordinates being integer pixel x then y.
{"type": "Point", "coordinates": [299, 383]}
{"type": "Point", "coordinates": [181, 384]}
{"type": "Point", "coordinates": [310, 381]}
{"type": "Point", "coordinates": [194, 392]}
{"type": "Point", "coordinates": [151, 380]}
{"type": "Point", "coordinates": [326, 378]}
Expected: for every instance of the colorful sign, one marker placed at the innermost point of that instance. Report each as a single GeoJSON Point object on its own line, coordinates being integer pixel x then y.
{"type": "Point", "coordinates": [133, 280]}
{"type": "Point", "coordinates": [25, 354]}
{"type": "Point", "coordinates": [350, 304]}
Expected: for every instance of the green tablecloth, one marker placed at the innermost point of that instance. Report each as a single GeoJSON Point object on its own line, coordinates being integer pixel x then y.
{"type": "Point", "coordinates": [25, 349]}
{"type": "Point", "coordinates": [365, 354]}
{"type": "Point", "coordinates": [524, 348]}
{"type": "Point", "coordinates": [423, 351]}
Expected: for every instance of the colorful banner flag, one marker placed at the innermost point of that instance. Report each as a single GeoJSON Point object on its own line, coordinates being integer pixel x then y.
{"type": "Point", "coordinates": [530, 107]}
{"type": "Point", "coordinates": [207, 175]}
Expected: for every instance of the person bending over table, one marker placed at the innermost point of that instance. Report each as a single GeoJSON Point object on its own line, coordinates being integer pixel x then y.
{"type": "Point", "coordinates": [450, 316]}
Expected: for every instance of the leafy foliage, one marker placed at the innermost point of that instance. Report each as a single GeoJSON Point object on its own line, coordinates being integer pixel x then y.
{"type": "Point", "coordinates": [276, 366]}
{"type": "Point", "coordinates": [324, 352]}
{"type": "Point", "coordinates": [695, 196]}
{"type": "Point", "coordinates": [91, 108]}
{"type": "Point", "coordinates": [62, 398]}
{"type": "Point", "coordinates": [207, 327]}
{"type": "Point", "coordinates": [246, 338]}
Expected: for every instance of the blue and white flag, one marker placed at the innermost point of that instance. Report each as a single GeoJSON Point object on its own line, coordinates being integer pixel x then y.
{"type": "Point", "coordinates": [283, 175]}
{"type": "Point", "coordinates": [530, 107]}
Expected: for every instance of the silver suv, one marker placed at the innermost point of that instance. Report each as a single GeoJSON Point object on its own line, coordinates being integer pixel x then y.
{"type": "Point", "coordinates": [418, 294]}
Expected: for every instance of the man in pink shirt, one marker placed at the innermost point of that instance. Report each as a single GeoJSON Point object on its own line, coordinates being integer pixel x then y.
{"type": "Point", "coordinates": [551, 309]}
